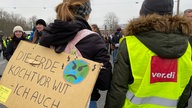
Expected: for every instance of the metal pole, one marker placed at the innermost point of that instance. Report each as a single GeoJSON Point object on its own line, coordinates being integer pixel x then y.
{"type": "Point", "coordinates": [178, 2]}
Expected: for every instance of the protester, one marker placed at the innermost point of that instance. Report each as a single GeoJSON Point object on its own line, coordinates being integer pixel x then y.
{"type": "Point", "coordinates": [72, 16]}
{"type": "Point", "coordinates": [107, 41]}
{"type": "Point", "coordinates": [153, 64]}
{"type": "Point", "coordinates": [32, 34]}
{"type": "Point", "coordinates": [188, 14]}
{"type": "Point", "coordinates": [111, 44]}
{"type": "Point", "coordinates": [1, 42]}
{"type": "Point", "coordinates": [95, 28]}
{"type": "Point", "coordinates": [115, 42]}
{"type": "Point", "coordinates": [40, 25]}
{"type": "Point", "coordinates": [5, 40]}
{"type": "Point", "coordinates": [18, 35]}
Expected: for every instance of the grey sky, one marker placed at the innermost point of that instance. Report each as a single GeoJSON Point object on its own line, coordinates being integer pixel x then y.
{"type": "Point", "coordinates": [45, 9]}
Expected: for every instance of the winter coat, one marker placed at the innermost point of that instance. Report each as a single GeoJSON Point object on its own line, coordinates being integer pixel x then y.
{"type": "Point", "coordinates": [115, 39]}
{"type": "Point", "coordinates": [92, 47]}
{"type": "Point", "coordinates": [166, 36]}
{"type": "Point", "coordinates": [12, 45]}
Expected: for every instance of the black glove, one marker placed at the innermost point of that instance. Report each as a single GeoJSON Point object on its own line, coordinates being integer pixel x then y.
{"type": "Point", "coordinates": [59, 49]}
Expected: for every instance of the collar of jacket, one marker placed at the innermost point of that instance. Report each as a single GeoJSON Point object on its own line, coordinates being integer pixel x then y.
{"type": "Point", "coordinates": [164, 24]}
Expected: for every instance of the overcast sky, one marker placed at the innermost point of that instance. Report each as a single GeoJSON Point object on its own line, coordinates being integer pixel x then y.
{"type": "Point", "coordinates": [45, 9]}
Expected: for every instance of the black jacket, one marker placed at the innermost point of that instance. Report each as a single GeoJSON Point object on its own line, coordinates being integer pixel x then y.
{"type": "Point", "coordinates": [117, 36]}
{"type": "Point", "coordinates": [12, 45]}
{"type": "Point", "coordinates": [92, 47]}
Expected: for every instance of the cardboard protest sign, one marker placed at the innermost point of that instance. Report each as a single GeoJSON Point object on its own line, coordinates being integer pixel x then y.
{"type": "Point", "coordinates": [37, 77]}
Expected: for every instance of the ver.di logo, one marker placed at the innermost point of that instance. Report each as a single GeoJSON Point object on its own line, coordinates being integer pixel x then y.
{"type": "Point", "coordinates": [76, 71]}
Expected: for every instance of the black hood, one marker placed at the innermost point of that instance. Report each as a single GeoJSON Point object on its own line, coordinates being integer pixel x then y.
{"type": "Point", "coordinates": [59, 33]}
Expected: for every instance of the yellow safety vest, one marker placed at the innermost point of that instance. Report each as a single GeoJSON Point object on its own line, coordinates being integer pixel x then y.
{"type": "Point", "coordinates": [156, 84]}
{"type": "Point", "coordinates": [5, 42]}
{"type": "Point", "coordinates": [28, 36]}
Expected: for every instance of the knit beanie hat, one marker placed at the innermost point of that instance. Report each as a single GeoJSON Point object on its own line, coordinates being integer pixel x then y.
{"type": "Point", "coordinates": [41, 21]}
{"type": "Point", "coordinates": [161, 7]}
{"type": "Point", "coordinates": [83, 10]}
{"type": "Point", "coordinates": [17, 28]}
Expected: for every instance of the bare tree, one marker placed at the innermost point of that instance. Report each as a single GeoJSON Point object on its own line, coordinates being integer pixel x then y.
{"type": "Point", "coordinates": [32, 21]}
{"type": "Point", "coordinates": [50, 20]}
{"type": "Point", "coordinates": [111, 22]}
{"type": "Point", "coordinates": [8, 21]}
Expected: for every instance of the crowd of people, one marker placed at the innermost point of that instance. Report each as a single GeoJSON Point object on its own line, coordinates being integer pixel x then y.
{"type": "Point", "coordinates": [146, 65]}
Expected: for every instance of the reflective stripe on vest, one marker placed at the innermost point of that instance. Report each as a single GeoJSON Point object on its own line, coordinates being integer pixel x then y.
{"type": "Point", "coordinates": [5, 43]}
{"type": "Point", "coordinates": [151, 100]}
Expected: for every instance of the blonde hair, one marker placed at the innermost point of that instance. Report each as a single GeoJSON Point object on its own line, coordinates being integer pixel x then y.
{"type": "Point", "coordinates": [65, 9]}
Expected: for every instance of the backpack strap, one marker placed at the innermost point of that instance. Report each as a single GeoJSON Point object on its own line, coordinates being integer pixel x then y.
{"type": "Point", "coordinates": [80, 35]}
{"type": "Point", "coordinates": [71, 48]}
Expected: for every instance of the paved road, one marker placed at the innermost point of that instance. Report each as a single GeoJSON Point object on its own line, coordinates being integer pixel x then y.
{"type": "Point", "coordinates": [101, 102]}
{"type": "Point", "coordinates": [3, 64]}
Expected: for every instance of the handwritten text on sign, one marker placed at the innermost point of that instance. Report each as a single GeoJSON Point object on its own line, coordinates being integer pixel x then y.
{"type": "Point", "coordinates": [42, 72]}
